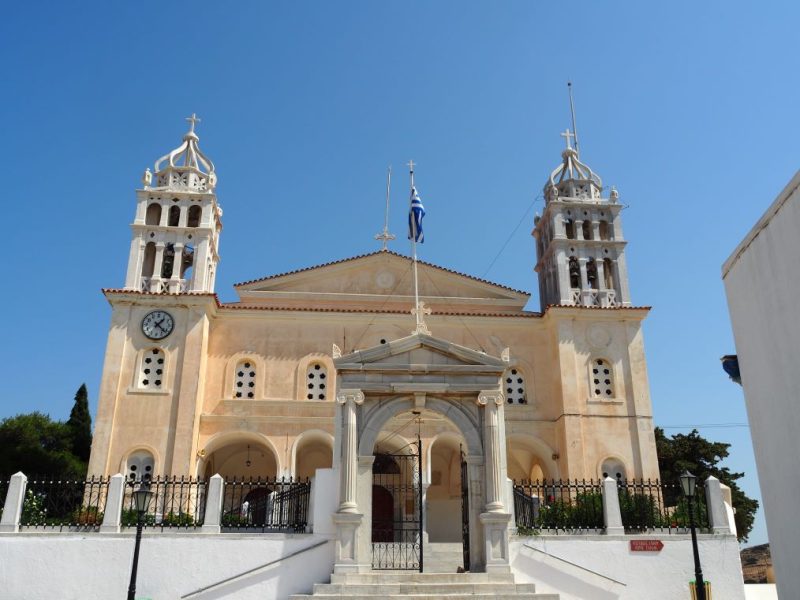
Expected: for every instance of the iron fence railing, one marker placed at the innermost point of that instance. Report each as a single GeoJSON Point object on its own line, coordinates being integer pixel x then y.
{"type": "Point", "coordinates": [269, 504]}
{"type": "Point", "coordinates": [74, 504]}
{"type": "Point", "coordinates": [558, 505]}
{"type": "Point", "coordinates": [652, 505]}
{"type": "Point", "coordinates": [177, 503]}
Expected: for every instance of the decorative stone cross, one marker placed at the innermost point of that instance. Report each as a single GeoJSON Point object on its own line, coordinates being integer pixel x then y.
{"type": "Point", "coordinates": [193, 120]}
{"type": "Point", "coordinates": [419, 312]}
{"type": "Point", "coordinates": [567, 135]}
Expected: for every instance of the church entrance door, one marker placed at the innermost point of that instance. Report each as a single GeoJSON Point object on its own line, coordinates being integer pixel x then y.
{"type": "Point", "coordinates": [397, 510]}
{"type": "Point", "coordinates": [464, 511]}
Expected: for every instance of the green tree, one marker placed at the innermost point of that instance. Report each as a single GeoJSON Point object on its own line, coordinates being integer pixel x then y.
{"type": "Point", "coordinates": [37, 445]}
{"type": "Point", "coordinates": [80, 425]}
{"type": "Point", "coordinates": [692, 452]}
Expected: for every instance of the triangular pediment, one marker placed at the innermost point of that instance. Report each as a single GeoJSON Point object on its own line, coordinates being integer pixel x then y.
{"type": "Point", "coordinates": [385, 279]}
{"type": "Point", "coordinates": [423, 351]}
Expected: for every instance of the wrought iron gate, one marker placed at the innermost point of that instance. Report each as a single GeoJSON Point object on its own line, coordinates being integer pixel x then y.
{"type": "Point", "coordinates": [397, 511]}
{"type": "Point", "coordinates": [465, 511]}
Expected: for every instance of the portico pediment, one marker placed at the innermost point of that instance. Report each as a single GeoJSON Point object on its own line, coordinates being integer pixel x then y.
{"type": "Point", "coordinates": [419, 363]}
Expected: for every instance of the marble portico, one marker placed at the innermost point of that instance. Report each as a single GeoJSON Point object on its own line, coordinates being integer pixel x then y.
{"type": "Point", "coordinates": [415, 374]}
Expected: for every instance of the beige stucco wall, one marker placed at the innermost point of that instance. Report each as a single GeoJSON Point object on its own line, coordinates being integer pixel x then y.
{"type": "Point", "coordinates": [196, 413]}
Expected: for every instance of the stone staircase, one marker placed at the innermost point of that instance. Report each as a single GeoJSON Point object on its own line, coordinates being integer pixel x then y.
{"type": "Point", "coordinates": [425, 586]}
{"type": "Point", "coordinates": [442, 558]}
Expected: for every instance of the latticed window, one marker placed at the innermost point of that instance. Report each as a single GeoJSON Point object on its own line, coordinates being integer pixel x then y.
{"type": "Point", "coordinates": [602, 379]}
{"type": "Point", "coordinates": [151, 370]}
{"type": "Point", "coordinates": [514, 387]}
{"type": "Point", "coordinates": [316, 382]}
{"type": "Point", "coordinates": [244, 385]}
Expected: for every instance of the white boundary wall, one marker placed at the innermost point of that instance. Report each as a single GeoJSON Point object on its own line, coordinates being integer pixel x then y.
{"type": "Point", "coordinates": [63, 566]}
{"type": "Point", "coordinates": [603, 567]}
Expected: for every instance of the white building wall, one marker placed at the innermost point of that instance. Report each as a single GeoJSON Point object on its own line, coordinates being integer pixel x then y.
{"type": "Point", "coordinates": [763, 290]}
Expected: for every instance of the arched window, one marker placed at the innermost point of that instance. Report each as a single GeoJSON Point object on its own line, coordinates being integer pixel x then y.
{"type": "Point", "coordinates": [316, 382]}
{"type": "Point", "coordinates": [174, 216]}
{"type": "Point", "coordinates": [153, 215]}
{"type": "Point", "coordinates": [591, 274]}
{"type": "Point", "coordinates": [602, 378]}
{"type": "Point", "coordinates": [244, 382]}
{"type": "Point", "coordinates": [587, 230]}
{"type": "Point", "coordinates": [613, 468]}
{"type": "Point", "coordinates": [514, 387]}
{"type": "Point", "coordinates": [151, 369]}
{"type": "Point", "coordinates": [149, 262]}
{"type": "Point", "coordinates": [569, 229]}
{"type": "Point", "coordinates": [140, 465]}
{"type": "Point", "coordinates": [608, 273]}
{"type": "Point", "coordinates": [195, 212]}
{"type": "Point", "coordinates": [574, 273]}
{"type": "Point", "coordinates": [605, 231]}
{"type": "Point", "coordinates": [167, 260]}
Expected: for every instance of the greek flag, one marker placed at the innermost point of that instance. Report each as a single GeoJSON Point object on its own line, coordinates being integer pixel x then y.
{"type": "Point", "coordinates": [415, 218]}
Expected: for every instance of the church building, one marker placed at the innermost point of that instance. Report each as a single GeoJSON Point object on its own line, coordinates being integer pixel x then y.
{"type": "Point", "coordinates": [324, 367]}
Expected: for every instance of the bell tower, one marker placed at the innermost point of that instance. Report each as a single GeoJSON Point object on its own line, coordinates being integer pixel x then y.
{"type": "Point", "coordinates": [175, 235]}
{"type": "Point", "coordinates": [580, 249]}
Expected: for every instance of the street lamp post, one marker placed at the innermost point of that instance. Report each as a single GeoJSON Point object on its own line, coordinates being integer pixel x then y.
{"type": "Point", "coordinates": [141, 500]}
{"type": "Point", "coordinates": [689, 485]}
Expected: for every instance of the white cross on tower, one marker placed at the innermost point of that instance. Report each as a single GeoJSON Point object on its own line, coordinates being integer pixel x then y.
{"type": "Point", "coordinates": [566, 135]}
{"type": "Point", "coordinates": [193, 120]}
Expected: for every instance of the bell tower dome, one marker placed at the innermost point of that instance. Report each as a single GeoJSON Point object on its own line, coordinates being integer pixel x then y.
{"type": "Point", "coordinates": [580, 249]}
{"type": "Point", "coordinates": [175, 234]}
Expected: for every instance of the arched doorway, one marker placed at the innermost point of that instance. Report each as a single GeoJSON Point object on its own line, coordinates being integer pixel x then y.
{"type": "Point", "coordinates": [242, 459]}
{"type": "Point", "coordinates": [444, 494]}
{"type": "Point", "coordinates": [312, 450]}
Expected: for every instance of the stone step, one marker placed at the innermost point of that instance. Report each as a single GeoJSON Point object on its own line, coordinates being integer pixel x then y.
{"type": "Point", "coordinates": [456, 596]}
{"type": "Point", "coordinates": [383, 577]}
{"type": "Point", "coordinates": [407, 589]}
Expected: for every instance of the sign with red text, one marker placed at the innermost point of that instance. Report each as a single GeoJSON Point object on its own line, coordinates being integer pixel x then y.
{"type": "Point", "coordinates": [646, 545]}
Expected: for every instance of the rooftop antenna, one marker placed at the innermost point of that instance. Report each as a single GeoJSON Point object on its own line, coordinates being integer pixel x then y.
{"type": "Point", "coordinates": [572, 112]}
{"type": "Point", "coordinates": [385, 237]}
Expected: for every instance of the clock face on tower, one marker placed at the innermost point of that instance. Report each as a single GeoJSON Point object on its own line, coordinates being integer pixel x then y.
{"type": "Point", "coordinates": [157, 324]}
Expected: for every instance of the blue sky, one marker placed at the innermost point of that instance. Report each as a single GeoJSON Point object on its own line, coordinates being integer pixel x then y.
{"type": "Point", "coordinates": [689, 109]}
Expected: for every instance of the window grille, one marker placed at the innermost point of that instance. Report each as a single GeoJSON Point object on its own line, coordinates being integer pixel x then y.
{"type": "Point", "coordinates": [602, 378]}
{"type": "Point", "coordinates": [151, 370]}
{"type": "Point", "coordinates": [316, 382]}
{"type": "Point", "coordinates": [245, 381]}
{"type": "Point", "coordinates": [514, 387]}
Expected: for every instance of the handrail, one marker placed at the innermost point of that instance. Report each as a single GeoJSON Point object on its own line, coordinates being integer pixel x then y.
{"type": "Point", "coordinates": [253, 570]}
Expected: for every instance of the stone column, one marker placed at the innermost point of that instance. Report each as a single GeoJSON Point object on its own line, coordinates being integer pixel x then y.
{"type": "Point", "coordinates": [585, 288]}
{"type": "Point", "coordinates": [12, 509]}
{"type": "Point", "coordinates": [113, 510]}
{"type": "Point", "coordinates": [177, 261]}
{"type": "Point", "coordinates": [495, 520]}
{"type": "Point", "coordinates": [214, 497]}
{"type": "Point", "coordinates": [612, 517]}
{"type": "Point", "coordinates": [492, 400]}
{"type": "Point", "coordinates": [348, 550]}
{"type": "Point", "coordinates": [349, 399]}
{"type": "Point", "coordinates": [578, 230]}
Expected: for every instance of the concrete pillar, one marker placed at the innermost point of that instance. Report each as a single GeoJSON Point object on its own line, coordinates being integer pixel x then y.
{"type": "Point", "coordinates": [154, 285]}
{"type": "Point", "coordinates": [578, 230]}
{"type": "Point", "coordinates": [717, 511]}
{"type": "Point", "coordinates": [584, 276]}
{"type": "Point", "coordinates": [612, 516]}
{"type": "Point", "coordinates": [601, 274]}
{"type": "Point", "coordinates": [349, 399]}
{"type": "Point", "coordinates": [12, 509]}
{"type": "Point", "coordinates": [214, 496]}
{"type": "Point", "coordinates": [113, 510]}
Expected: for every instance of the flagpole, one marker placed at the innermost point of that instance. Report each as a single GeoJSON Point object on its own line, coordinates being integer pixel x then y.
{"type": "Point", "coordinates": [414, 254]}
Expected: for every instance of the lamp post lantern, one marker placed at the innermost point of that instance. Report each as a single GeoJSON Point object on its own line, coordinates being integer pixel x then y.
{"type": "Point", "coordinates": [141, 501]}
{"type": "Point", "coordinates": [689, 485]}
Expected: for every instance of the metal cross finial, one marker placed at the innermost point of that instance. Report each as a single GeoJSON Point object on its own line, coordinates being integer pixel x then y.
{"type": "Point", "coordinates": [566, 135]}
{"type": "Point", "coordinates": [193, 120]}
{"type": "Point", "coordinates": [411, 166]}
{"type": "Point", "coordinates": [385, 237]}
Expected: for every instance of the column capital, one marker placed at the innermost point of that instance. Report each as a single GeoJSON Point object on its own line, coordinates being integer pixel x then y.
{"type": "Point", "coordinates": [357, 396]}
{"type": "Point", "coordinates": [486, 396]}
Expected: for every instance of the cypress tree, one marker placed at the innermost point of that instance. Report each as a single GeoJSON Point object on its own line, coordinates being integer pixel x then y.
{"type": "Point", "coordinates": [80, 425]}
